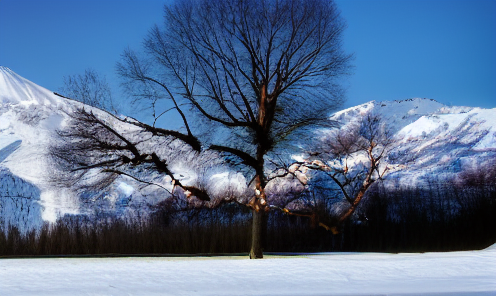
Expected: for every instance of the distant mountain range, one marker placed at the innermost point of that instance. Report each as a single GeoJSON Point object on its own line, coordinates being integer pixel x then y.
{"type": "Point", "coordinates": [433, 140]}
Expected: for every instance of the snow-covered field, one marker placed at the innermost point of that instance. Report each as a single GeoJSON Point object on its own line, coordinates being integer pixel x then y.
{"type": "Point", "coordinates": [455, 273]}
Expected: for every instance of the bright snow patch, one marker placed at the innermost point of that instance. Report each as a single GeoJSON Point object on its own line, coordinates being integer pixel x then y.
{"type": "Point", "coordinates": [4, 123]}
{"type": "Point", "coordinates": [125, 189]}
{"type": "Point", "coordinates": [298, 158]}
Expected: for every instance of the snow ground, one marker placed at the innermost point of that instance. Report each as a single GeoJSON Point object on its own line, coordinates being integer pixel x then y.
{"type": "Point", "coordinates": [454, 273]}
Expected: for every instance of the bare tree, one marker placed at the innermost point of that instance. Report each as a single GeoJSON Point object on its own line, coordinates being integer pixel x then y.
{"type": "Point", "coordinates": [247, 77]}
{"type": "Point", "coordinates": [353, 158]}
{"type": "Point", "coordinates": [90, 89]}
{"type": "Point", "coordinates": [482, 175]}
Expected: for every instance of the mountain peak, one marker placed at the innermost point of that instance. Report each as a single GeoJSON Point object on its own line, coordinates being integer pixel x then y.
{"type": "Point", "coordinates": [5, 69]}
{"type": "Point", "coordinates": [19, 90]}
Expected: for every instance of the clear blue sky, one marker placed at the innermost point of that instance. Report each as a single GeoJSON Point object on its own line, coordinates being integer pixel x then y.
{"type": "Point", "coordinates": [439, 49]}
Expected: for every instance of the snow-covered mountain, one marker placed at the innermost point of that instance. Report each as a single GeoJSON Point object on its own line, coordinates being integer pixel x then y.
{"type": "Point", "coordinates": [29, 117]}
{"type": "Point", "coordinates": [434, 139]}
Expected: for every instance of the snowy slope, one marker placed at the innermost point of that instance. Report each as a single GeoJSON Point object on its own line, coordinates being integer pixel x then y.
{"type": "Point", "coordinates": [29, 116]}
{"type": "Point", "coordinates": [455, 273]}
{"type": "Point", "coordinates": [433, 139]}
{"type": "Point", "coordinates": [18, 90]}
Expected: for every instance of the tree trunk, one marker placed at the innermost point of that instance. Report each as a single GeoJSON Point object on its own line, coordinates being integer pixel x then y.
{"type": "Point", "coordinates": [259, 207]}
{"type": "Point", "coordinates": [259, 202]}
{"type": "Point", "coordinates": [257, 231]}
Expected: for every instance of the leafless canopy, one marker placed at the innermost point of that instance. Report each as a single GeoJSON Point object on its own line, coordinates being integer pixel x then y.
{"type": "Point", "coordinates": [338, 157]}
{"type": "Point", "coordinates": [244, 76]}
{"type": "Point", "coordinates": [266, 67]}
{"type": "Point", "coordinates": [89, 88]}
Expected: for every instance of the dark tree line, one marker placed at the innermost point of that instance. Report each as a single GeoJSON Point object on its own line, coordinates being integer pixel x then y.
{"type": "Point", "coordinates": [434, 218]}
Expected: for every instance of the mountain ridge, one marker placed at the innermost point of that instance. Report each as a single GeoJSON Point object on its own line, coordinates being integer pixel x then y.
{"type": "Point", "coordinates": [434, 139]}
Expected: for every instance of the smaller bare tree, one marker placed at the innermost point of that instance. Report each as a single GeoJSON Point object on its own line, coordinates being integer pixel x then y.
{"type": "Point", "coordinates": [90, 89]}
{"type": "Point", "coordinates": [353, 158]}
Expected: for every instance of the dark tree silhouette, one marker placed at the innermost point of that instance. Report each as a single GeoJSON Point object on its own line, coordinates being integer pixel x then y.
{"type": "Point", "coordinates": [89, 88]}
{"type": "Point", "coordinates": [353, 158]}
{"type": "Point", "coordinates": [247, 78]}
